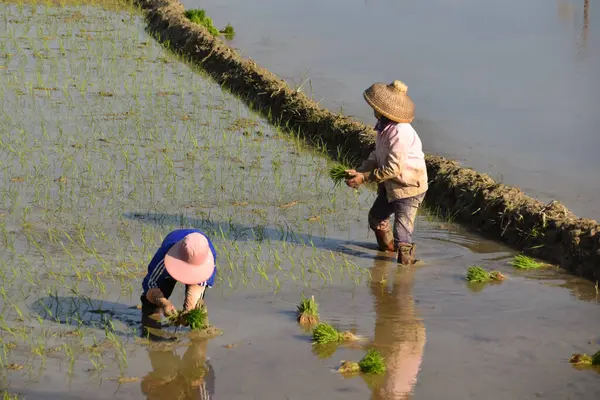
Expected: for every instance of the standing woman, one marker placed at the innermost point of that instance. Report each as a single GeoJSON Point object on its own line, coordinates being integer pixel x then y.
{"type": "Point", "coordinates": [397, 165]}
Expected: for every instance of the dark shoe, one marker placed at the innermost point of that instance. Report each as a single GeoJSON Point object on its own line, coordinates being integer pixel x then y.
{"type": "Point", "coordinates": [385, 240]}
{"type": "Point", "coordinates": [406, 253]}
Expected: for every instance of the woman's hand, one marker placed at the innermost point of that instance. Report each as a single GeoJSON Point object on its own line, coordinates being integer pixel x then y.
{"type": "Point", "coordinates": [354, 179]}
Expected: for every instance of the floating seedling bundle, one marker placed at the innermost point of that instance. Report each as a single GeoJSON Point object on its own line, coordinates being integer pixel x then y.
{"type": "Point", "coordinates": [372, 363]}
{"type": "Point", "coordinates": [523, 262]}
{"type": "Point", "coordinates": [325, 333]}
{"type": "Point", "coordinates": [476, 274]}
{"type": "Point", "coordinates": [198, 16]}
{"type": "Point", "coordinates": [308, 311]}
{"type": "Point", "coordinates": [585, 359]}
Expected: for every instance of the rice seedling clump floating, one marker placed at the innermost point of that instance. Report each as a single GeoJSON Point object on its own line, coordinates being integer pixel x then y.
{"type": "Point", "coordinates": [198, 16]}
{"type": "Point", "coordinates": [325, 333]}
{"type": "Point", "coordinates": [372, 363]}
{"type": "Point", "coordinates": [308, 311]}
{"type": "Point", "coordinates": [476, 274]}
{"type": "Point", "coordinates": [523, 262]}
{"type": "Point", "coordinates": [228, 32]}
{"type": "Point", "coordinates": [585, 359]}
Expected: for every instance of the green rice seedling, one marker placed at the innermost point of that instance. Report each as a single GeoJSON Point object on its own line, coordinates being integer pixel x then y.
{"type": "Point", "coordinates": [522, 261]}
{"type": "Point", "coordinates": [197, 318]}
{"type": "Point", "coordinates": [476, 274]}
{"type": "Point", "coordinates": [228, 32]}
{"type": "Point", "coordinates": [325, 333]}
{"type": "Point", "coordinates": [198, 16]}
{"type": "Point", "coordinates": [372, 363]}
{"type": "Point", "coordinates": [585, 359]}
{"type": "Point", "coordinates": [338, 173]}
{"type": "Point", "coordinates": [308, 311]}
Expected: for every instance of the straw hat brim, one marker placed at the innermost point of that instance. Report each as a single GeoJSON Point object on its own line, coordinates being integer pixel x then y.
{"type": "Point", "coordinates": [379, 100]}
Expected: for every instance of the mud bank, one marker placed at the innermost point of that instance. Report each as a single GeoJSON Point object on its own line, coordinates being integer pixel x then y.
{"type": "Point", "coordinates": [547, 231]}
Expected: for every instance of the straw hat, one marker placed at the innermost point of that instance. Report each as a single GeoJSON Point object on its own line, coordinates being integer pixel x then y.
{"type": "Point", "coordinates": [391, 101]}
{"type": "Point", "coordinates": [190, 261]}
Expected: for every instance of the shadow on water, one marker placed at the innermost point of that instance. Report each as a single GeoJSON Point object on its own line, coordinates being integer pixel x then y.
{"type": "Point", "coordinates": [84, 312]}
{"type": "Point", "coordinates": [399, 332]}
{"type": "Point", "coordinates": [243, 233]}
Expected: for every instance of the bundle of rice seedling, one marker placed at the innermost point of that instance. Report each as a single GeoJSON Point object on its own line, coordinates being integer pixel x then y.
{"type": "Point", "coordinates": [325, 333]}
{"type": "Point", "coordinates": [338, 173]}
{"type": "Point", "coordinates": [476, 274]}
{"type": "Point", "coordinates": [585, 359]}
{"type": "Point", "coordinates": [372, 363]}
{"type": "Point", "coordinates": [523, 262]}
{"type": "Point", "coordinates": [228, 32]}
{"type": "Point", "coordinates": [198, 16]}
{"type": "Point", "coordinates": [349, 367]}
{"type": "Point", "coordinates": [308, 311]}
{"type": "Point", "coordinates": [197, 318]}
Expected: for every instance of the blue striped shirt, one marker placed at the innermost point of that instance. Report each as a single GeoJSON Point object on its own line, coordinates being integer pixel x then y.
{"type": "Point", "coordinates": [157, 272]}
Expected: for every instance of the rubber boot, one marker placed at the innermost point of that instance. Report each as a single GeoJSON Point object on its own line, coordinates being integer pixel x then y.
{"type": "Point", "coordinates": [385, 240]}
{"type": "Point", "coordinates": [406, 253]}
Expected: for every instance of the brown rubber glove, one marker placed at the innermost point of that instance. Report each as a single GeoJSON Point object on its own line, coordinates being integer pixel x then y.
{"type": "Point", "coordinates": [155, 296]}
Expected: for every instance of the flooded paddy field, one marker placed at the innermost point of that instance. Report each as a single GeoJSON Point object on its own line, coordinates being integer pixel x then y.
{"type": "Point", "coordinates": [509, 88]}
{"type": "Point", "coordinates": [107, 142]}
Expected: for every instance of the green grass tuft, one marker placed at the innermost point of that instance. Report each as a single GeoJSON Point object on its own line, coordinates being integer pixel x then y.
{"type": "Point", "coordinates": [372, 363]}
{"type": "Point", "coordinates": [325, 333]}
{"type": "Point", "coordinates": [523, 262]}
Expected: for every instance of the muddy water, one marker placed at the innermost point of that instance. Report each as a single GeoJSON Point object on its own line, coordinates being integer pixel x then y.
{"type": "Point", "coordinates": [107, 147]}
{"type": "Point", "coordinates": [510, 88]}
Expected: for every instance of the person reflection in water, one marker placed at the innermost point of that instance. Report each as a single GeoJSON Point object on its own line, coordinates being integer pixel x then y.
{"type": "Point", "coordinates": [172, 377]}
{"type": "Point", "coordinates": [399, 333]}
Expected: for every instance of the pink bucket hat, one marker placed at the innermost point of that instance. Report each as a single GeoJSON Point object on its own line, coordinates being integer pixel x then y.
{"type": "Point", "coordinates": [190, 260]}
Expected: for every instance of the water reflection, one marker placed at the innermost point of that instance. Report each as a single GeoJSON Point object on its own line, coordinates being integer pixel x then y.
{"type": "Point", "coordinates": [399, 332]}
{"type": "Point", "coordinates": [172, 377]}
